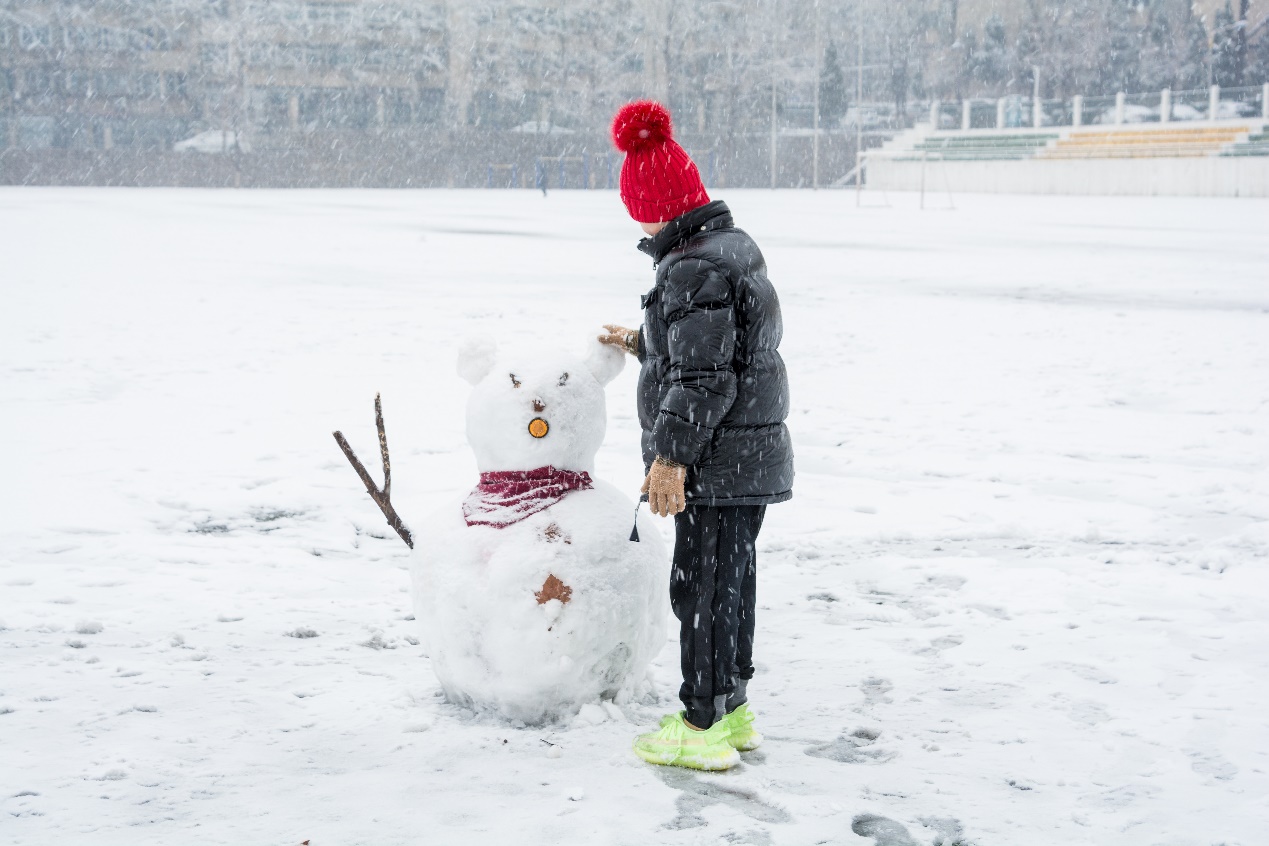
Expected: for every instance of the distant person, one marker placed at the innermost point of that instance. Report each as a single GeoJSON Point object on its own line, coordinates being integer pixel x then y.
{"type": "Point", "coordinates": [713, 397]}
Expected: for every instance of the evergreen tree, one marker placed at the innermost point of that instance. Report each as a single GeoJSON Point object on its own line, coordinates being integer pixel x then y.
{"type": "Point", "coordinates": [1192, 68]}
{"type": "Point", "coordinates": [833, 97]}
{"type": "Point", "coordinates": [1258, 61]}
{"type": "Point", "coordinates": [1227, 58]}
{"type": "Point", "coordinates": [970, 61]}
{"type": "Point", "coordinates": [1120, 68]}
{"type": "Point", "coordinates": [1160, 49]}
{"type": "Point", "coordinates": [904, 28]}
{"type": "Point", "coordinates": [993, 64]}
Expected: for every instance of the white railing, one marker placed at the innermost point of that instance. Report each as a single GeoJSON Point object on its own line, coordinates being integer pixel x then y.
{"type": "Point", "coordinates": [1204, 104]}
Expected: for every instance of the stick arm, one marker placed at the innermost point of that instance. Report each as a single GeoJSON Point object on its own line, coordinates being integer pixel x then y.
{"type": "Point", "coordinates": [382, 497]}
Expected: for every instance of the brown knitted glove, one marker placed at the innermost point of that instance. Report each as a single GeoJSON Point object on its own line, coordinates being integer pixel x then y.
{"type": "Point", "coordinates": [664, 487]}
{"type": "Point", "coordinates": [620, 336]}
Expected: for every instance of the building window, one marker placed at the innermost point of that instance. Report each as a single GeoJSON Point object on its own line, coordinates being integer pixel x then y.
{"type": "Point", "coordinates": [337, 108]}
{"type": "Point", "coordinates": [76, 83]}
{"type": "Point", "coordinates": [155, 38]}
{"type": "Point", "coordinates": [36, 132]}
{"type": "Point", "coordinates": [112, 84]}
{"type": "Point", "coordinates": [398, 107]}
{"type": "Point", "coordinates": [35, 37]}
{"type": "Point", "coordinates": [215, 56]}
{"type": "Point", "coordinates": [174, 86]}
{"type": "Point", "coordinates": [146, 85]}
{"type": "Point", "coordinates": [321, 13]}
{"type": "Point", "coordinates": [431, 105]}
{"type": "Point", "coordinates": [37, 82]}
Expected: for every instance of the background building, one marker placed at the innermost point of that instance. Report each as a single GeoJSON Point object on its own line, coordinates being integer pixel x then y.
{"type": "Point", "coordinates": [333, 92]}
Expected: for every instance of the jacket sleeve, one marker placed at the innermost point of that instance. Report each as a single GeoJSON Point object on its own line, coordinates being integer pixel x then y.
{"type": "Point", "coordinates": [698, 309]}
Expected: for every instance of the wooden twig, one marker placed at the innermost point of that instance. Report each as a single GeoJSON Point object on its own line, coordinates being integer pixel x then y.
{"type": "Point", "coordinates": [382, 498]}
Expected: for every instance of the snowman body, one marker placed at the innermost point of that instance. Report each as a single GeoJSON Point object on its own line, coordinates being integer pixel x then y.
{"type": "Point", "coordinates": [535, 604]}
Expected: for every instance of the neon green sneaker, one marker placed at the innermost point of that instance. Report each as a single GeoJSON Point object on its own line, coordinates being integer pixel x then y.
{"type": "Point", "coordinates": [676, 745]}
{"type": "Point", "coordinates": [744, 737]}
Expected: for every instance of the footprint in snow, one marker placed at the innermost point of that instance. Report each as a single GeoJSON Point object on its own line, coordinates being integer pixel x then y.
{"type": "Point", "coordinates": [855, 748]}
{"type": "Point", "coordinates": [875, 690]}
{"type": "Point", "coordinates": [948, 830]}
{"type": "Point", "coordinates": [883, 831]}
{"type": "Point", "coordinates": [696, 794]}
{"type": "Point", "coordinates": [990, 610]}
{"type": "Point", "coordinates": [1087, 711]}
{"type": "Point", "coordinates": [1087, 672]}
{"type": "Point", "coordinates": [947, 581]}
{"type": "Point", "coordinates": [939, 644]}
{"type": "Point", "coordinates": [757, 837]}
{"type": "Point", "coordinates": [1209, 762]}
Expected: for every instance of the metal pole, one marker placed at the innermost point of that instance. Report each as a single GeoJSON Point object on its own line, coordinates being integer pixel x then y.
{"type": "Point", "coordinates": [1037, 109]}
{"type": "Point", "coordinates": [815, 143]}
{"type": "Point", "coordinates": [773, 128]}
{"type": "Point", "coordinates": [924, 155]}
{"type": "Point", "coordinates": [859, 79]}
{"type": "Point", "coordinates": [775, 46]}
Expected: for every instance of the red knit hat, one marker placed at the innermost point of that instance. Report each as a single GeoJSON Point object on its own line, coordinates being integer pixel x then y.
{"type": "Point", "coordinates": [659, 181]}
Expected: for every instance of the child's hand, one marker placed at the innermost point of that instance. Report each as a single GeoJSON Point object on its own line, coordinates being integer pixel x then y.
{"type": "Point", "coordinates": [620, 336]}
{"type": "Point", "coordinates": [664, 487]}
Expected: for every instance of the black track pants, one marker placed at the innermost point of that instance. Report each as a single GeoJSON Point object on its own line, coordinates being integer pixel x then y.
{"type": "Point", "coordinates": [713, 591]}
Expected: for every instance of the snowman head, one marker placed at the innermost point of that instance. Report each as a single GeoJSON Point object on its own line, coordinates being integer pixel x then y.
{"type": "Point", "coordinates": [537, 408]}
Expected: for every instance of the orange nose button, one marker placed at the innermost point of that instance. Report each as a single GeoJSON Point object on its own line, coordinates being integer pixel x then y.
{"type": "Point", "coordinates": [538, 427]}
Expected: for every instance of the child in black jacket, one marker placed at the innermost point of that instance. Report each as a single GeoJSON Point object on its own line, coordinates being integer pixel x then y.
{"type": "Point", "coordinates": [713, 397]}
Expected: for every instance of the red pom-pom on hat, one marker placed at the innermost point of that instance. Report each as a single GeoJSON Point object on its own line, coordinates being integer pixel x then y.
{"type": "Point", "coordinates": [641, 125]}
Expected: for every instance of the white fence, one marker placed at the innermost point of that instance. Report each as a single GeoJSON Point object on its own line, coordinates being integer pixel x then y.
{"type": "Point", "coordinates": [1165, 106]}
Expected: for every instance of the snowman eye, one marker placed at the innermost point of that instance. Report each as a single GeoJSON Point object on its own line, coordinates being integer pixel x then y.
{"type": "Point", "coordinates": [563, 379]}
{"type": "Point", "coordinates": [515, 383]}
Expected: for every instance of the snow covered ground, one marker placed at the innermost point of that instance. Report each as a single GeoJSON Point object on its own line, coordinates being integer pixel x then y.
{"type": "Point", "coordinates": [1020, 597]}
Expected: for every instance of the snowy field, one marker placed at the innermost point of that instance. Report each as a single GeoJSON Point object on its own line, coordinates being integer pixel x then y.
{"type": "Point", "coordinates": [1020, 596]}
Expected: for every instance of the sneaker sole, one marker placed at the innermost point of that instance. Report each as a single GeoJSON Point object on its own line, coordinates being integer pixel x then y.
{"type": "Point", "coordinates": [749, 744]}
{"type": "Point", "coordinates": [710, 763]}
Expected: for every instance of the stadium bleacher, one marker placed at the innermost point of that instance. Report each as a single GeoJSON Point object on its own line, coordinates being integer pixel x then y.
{"type": "Point", "coordinates": [979, 147]}
{"type": "Point", "coordinates": [1256, 144]}
{"type": "Point", "coordinates": [1160, 142]}
{"type": "Point", "coordinates": [1157, 141]}
{"type": "Point", "coordinates": [1219, 151]}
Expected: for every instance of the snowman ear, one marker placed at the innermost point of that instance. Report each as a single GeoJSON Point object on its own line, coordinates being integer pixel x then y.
{"type": "Point", "coordinates": [604, 361]}
{"type": "Point", "coordinates": [476, 358]}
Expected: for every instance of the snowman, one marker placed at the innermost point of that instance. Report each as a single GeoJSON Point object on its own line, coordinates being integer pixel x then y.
{"type": "Point", "coordinates": [533, 595]}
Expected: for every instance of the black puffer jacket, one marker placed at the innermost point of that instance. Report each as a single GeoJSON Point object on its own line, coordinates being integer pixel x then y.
{"type": "Point", "coordinates": [713, 392]}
